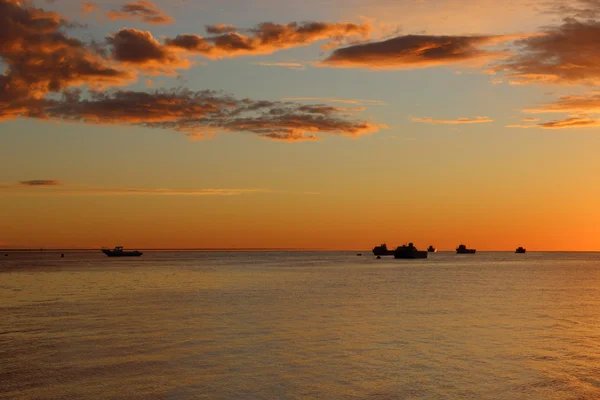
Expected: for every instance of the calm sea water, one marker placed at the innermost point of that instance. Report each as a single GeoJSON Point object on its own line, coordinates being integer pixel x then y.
{"type": "Point", "coordinates": [300, 325]}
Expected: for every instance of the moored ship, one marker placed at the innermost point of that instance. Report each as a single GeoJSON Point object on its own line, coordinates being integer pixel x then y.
{"type": "Point", "coordinates": [119, 252]}
{"type": "Point", "coordinates": [462, 249]}
{"type": "Point", "coordinates": [520, 250]}
{"type": "Point", "coordinates": [409, 251]}
{"type": "Point", "coordinates": [382, 251]}
{"type": "Point", "coordinates": [431, 249]}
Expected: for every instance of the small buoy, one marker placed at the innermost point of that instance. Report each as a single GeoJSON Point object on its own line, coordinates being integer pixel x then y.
{"type": "Point", "coordinates": [379, 257]}
{"type": "Point", "coordinates": [359, 254]}
{"type": "Point", "coordinates": [6, 255]}
{"type": "Point", "coordinates": [62, 255]}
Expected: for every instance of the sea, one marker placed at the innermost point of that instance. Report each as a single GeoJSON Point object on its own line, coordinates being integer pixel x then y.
{"type": "Point", "coordinates": [299, 325]}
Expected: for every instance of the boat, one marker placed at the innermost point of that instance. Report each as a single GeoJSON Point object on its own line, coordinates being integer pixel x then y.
{"type": "Point", "coordinates": [119, 252]}
{"type": "Point", "coordinates": [521, 250]}
{"type": "Point", "coordinates": [431, 249]}
{"type": "Point", "coordinates": [462, 249]}
{"type": "Point", "coordinates": [409, 251]}
{"type": "Point", "coordinates": [382, 251]}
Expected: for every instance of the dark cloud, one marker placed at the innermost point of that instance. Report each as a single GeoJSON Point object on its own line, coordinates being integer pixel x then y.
{"type": "Point", "coordinates": [144, 11]}
{"type": "Point", "coordinates": [201, 113]}
{"type": "Point", "coordinates": [418, 51]}
{"type": "Point", "coordinates": [568, 54]}
{"type": "Point", "coordinates": [40, 58]}
{"type": "Point", "coordinates": [266, 38]}
{"type": "Point", "coordinates": [140, 49]}
{"type": "Point", "coordinates": [40, 182]}
{"type": "Point", "coordinates": [219, 29]}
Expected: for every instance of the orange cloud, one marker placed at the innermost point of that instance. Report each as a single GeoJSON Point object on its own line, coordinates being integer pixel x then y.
{"type": "Point", "coordinates": [589, 103]}
{"type": "Point", "coordinates": [40, 59]}
{"type": "Point", "coordinates": [564, 55]}
{"type": "Point", "coordinates": [573, 122]}
{"type": "Point", "coordinates": [418, 51]}
{"type": "Point", "coordinates": [145, 11]}
{"type": "Point", "coordinates": [88, 7]}
{"type": "Point", "coordinates": [476, 120]}
{"type": "Point", "coordinates": [266, 38]}
{"type": "Point", "coordinates": [140, 49]}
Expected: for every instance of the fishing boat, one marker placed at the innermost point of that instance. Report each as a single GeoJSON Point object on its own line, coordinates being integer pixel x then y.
{"type": "Point", "coordinates": [431, 249]}
{"type": "Point", "coordinates": [119, 252]}
{"type": "Point", "coordinates": [521, 250]}
{"type": "Point", "coordinates": [462, 249]}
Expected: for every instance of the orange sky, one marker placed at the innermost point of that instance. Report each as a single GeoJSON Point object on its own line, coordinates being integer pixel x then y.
{"type": "Point", "coordinates": [284, 125]}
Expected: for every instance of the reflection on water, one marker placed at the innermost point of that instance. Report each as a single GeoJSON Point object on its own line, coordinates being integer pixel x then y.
{"type": "Point", "coordinates": [300, 325]}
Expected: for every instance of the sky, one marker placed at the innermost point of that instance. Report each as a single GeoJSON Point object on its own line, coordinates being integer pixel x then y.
{"type": "Point", "coordinates": [331, 124]}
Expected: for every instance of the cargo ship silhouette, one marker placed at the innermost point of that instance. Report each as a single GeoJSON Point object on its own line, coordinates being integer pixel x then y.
{"type": "Point", "coordinates": [462, 249]}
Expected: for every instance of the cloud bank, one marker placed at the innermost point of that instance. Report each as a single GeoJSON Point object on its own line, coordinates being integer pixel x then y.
{"type": "Point", "coordinates": [266, 38]}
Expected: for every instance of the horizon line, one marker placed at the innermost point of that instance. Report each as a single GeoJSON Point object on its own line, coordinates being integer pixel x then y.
{"type": "Point", "coordinates": [190, 249]}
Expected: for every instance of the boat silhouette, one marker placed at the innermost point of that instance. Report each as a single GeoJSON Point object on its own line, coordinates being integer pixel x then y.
{"type": "Point", "coordinates": [432, 249]}
{"type": "Point", "coordinates": [119, 252]}
{"type": "Point", "coordinates": [382, 250]}
{"type": "Point", "coordinates": [462, 249]}
{"type": "Point", "coordinates": [520, 250]}
{"type": "Point", "coordinates": [409, 251]}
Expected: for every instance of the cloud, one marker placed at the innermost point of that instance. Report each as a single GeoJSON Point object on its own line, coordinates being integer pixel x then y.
{"type": "Point", "coordinates": [219, 29]}
{"type": "Point", "coordinates": [585, 9]}
{"type": "Point", "coordinates": [266, 38]}
{"type": "Point", "coordinates": [89, 190]}
{"type": "Point", "coordinates": [290, 65]}
{"type": "Point", "coordinates": [88, 7]}
{"type": "Point", "coordinates": [530, 119]}
{"type": "Point", "coordinates": [336, 100]}
{"type": "Point", "coordinates": [145, 11]}
{"type": "Point", "coordinates": [588, 103]}
{"type": "Point", "coordinates": [521, 126]}
{"type": "Point", "coordinates": [40, 182]}
{"type": "Point", "coordinates": [566, 55]}
{"type": "Point", "coordinates": [459, 121]}
{"type": "Point", "coordinates": [573, 122]}
{"type": "Point", "coordinates": [44, 66]}
{"type": "Point", "coordinates": [140, 49]}
{"type": "Point", "coordinates": [205, 112]}
{"type": "Point", "coordinates": [95, 190]}
{"type": "Point", "coordinates": [40, 58]}
{"type": "Point", "coordinates": [418, 51]}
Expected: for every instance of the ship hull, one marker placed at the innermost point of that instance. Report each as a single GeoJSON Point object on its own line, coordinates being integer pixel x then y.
{"type": "Point", "coordinates": [467, 251]}
{"type": "Point", "coordinates": [383, 252]}
{"type": "Point", "coordinates": [112, 253]}
{"type": "Point", "coordinates": [410, 254]}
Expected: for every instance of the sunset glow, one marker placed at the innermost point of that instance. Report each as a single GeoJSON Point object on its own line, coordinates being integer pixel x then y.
{"type": "Point", "coordinates": [259, 124]}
